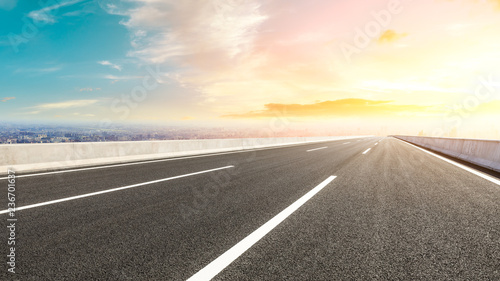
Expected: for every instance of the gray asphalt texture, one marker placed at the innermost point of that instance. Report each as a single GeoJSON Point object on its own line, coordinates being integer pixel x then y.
{"type": "Point", "coordinates": [395, 213]}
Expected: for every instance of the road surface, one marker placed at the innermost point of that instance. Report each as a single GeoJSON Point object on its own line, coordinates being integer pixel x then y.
{"type": "Point", "coordinates": [374, 208]}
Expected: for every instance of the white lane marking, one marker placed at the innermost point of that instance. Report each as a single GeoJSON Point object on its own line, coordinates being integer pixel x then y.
{"type": "Point", "coordinates": [475, 172]}
{"type": "Point", "coordinates": [162, 160]}
{"type": "Point", "coordinates": [366, 151]}
{"type": "Point", "coordinates": [216, 266]}
{"type": "Point", "coordinates": [376, 143]}
{"type": "Point", "coordinates": [317, 148]}
{"type": "Point", "coordinates": [112, 190]}
{"type": "Point", "coordinates": [347, 142]}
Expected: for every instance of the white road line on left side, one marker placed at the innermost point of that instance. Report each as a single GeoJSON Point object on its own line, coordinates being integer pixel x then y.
{"type": "Point", "coordinates": [317, 148]}
{"type": "Point", "coordinates": [216, 266]}
{"type": "Point", "coordinates": [366, 151]}
{"type": "Point", "coordinates": [112, 190]}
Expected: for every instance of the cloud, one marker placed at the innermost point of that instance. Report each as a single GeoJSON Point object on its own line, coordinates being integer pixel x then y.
{"type": "Point", "coordinates": [7, 99]}
{"type": "Point", "coordinates": [112, 65]}
{"type": "Point", "coordinates": [232, 56]}
{"type": "Point", "coordinates": [188, 118]}
{"type": "Point", "coordinates": [214, 31]}
{"type": "Point", "coordinates": [114, 77]}
{"type": "Point", "coordinates": [39, 70]}
{"type": "Point", "coordinates": [8, 4]}
{"type": "Point", "coordinates": [89, 89]}
{"type": "Point", "coordinates": [113, 7]}
{"type": "Point", "coordinates": [390, 36]}
{"type": "Point", "coordinates": [491, 108]}
{"type": "Point", "coordinates": [64, 104]}
{"type": "Point", "coordinates": [46, 15]}
{"type": "Point", "coordinates": [83, 115]}
{"type": "Point", "coordinates": [336, 108]}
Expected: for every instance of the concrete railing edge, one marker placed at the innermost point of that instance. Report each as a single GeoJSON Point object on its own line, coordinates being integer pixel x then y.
{"type": "Point", "coordinates": [46, 157]}
{"type": "Point", "coordinates": [484, 153]}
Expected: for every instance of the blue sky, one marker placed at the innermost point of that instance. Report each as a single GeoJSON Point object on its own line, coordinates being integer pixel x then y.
{"type": "Point", "coordinates": [66, 60]}
{"type": "Point", "coordinates": [53, 62]}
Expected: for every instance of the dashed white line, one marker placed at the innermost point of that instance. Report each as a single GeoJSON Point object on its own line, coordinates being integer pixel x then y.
{"type": "Point", "coordinates": [475, 172]}
{"type": "Point", "coordinates": [112, 190]}
{"type": "Point", "coordinates": [376, 143]}
{"type": "Point", "coordinates": [366, 151]}
{"type": "Point", "coordinates": [216, 266]}
{"type": "Point", "coordinates": [347, 143]}
{"type": "Point", "coordinates": [317, 148]}
{"type": "Point", "coordinates": [131, 163]}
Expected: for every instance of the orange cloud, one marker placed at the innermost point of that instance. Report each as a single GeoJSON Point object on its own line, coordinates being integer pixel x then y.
{"type": "Point", "coordinates": [492, 107]}
{"type": "Point", "coordinates": [390, 36]}
{"type": "Point", "coordinates": [338, 108]}
{"type": "Point", "coordinates": [7, 99]}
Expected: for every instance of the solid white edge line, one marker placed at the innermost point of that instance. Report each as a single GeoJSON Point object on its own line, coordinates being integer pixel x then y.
{"type": "Point", "coordinates": [168, 159]}
{"type": "Point", "coordinates": [317, 149]}
{"type": "Point", "coordinates": [366, 151]}
{"type": "Point", "coordinates": [468, 169]}
{"type": "Point", "coordinates": [111, 190]}
{"type": "Point", "coordinates": [216, 266]}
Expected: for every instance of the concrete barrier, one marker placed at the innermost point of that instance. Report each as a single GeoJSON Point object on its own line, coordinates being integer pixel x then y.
{"type": "Point", "coordinates": [43, 157]}
{"type": "Point", "coordinates": [484, 153]}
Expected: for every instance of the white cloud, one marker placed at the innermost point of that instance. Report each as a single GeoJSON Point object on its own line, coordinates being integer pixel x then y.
{"type": "Point", "coordinates": [65, 104]}
{"type": "Point", "coordinates": [39, 70]}
{"type": "Point", "coordinates": [89, 89]}
{"type": "Point", "coordinates": [46, 15]}
{"type": "Point", "coordinates": [115, 7]}
{"type": "Point", "coordinates": [83, 115]}
{"type": "Point", "coordinates": [8, 98]}
{"type": "Point", "coordinates": [214, 31]}
{"type": "Point", "coordinates": [219, 40]}
{"type": "Point", "coordinates": [113, 77]}
{"type": "Point", "coordinates": [112, 65]}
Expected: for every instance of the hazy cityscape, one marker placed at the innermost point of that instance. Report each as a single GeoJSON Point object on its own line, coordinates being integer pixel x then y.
{"type": "Point", "coordinates": [21, 133]}
{"type": "Point", "coordinates": [28, 133]}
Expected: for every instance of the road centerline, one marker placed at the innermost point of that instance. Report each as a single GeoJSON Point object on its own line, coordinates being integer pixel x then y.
{"type": "Point", "coordinates": [112, 190]}
{"type": "Point", "coordinates": [220, 263]}
{"type": "Point", "coordinates": [366, 151]}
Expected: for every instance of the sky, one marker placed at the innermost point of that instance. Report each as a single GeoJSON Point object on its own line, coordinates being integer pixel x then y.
{"type": "Point", "coordinates": [389, 67]}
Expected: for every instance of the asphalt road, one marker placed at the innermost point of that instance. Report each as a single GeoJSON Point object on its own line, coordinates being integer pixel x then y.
{"type": "Point", "coordinates": [393, 212]}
